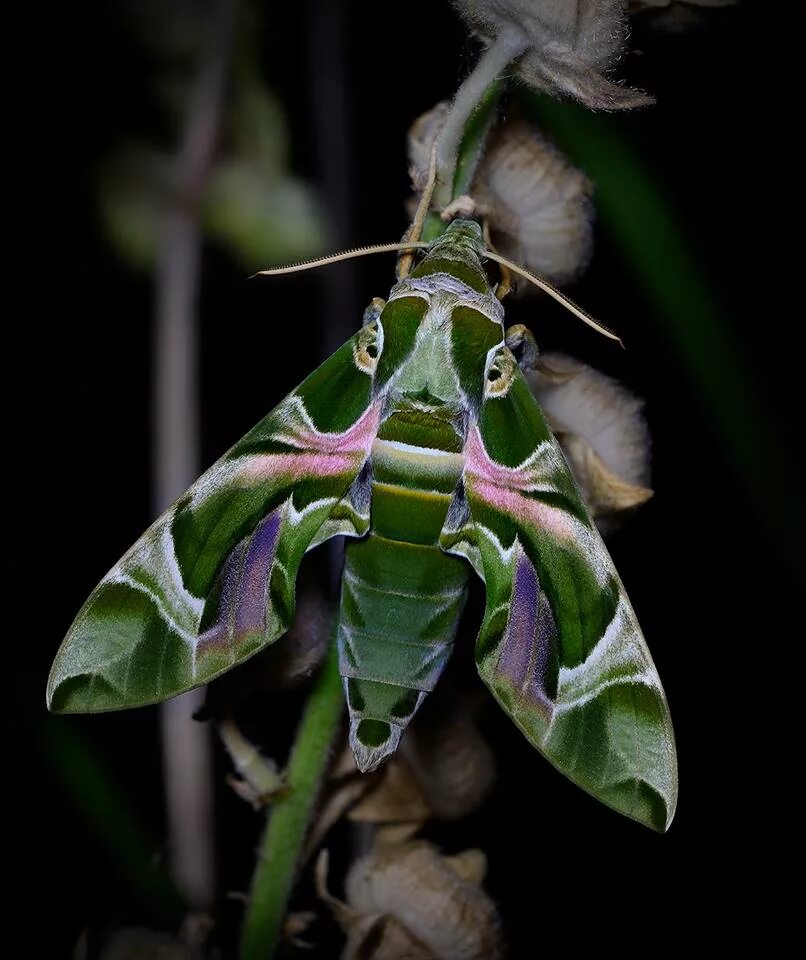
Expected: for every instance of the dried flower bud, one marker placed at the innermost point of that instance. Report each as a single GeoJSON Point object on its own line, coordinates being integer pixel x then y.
{"type": "Point", "coordinates": [397, 797]}
{"type": "Point", "coordinates": [382, 938]}
{"type": "Point", "coordinates": [537, 203]}
{"type": "Point", "coordinates": [297, 654]}
{"type": "Point", "coordinates": [414, 902]}
{"type": "Point", "coordinates": [452, 761]}
{"type": "Point", "coordinates": [602, 430]}
{"type": "Point", "coordinates": [257, 779]}
{"type": "Point", "coordinates": [296, 924]}
{"type": "Point", "coordinates": [136, 943]}
{"type": "Point", "coordinates": [572, 44]}
{"type": "Point", "coordinates": [336, 805]}
{"type": "Point", "coordinates": [422, 134]}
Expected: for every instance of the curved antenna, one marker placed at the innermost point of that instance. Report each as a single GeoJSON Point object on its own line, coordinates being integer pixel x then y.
{"type": "Point", "coordinates": [552, 291]}
{"type": "Point", "coordinates": [344, 255]}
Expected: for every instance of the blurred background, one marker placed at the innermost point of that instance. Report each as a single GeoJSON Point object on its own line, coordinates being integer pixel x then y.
{"type": "Point", "coordinates": [694, 266]}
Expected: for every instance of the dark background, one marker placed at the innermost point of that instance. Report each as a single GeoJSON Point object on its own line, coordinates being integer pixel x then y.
{"type": "Point", "coordinates": [710, 563]}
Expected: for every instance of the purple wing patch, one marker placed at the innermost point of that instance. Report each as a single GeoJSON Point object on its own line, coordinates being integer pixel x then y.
{"type": "Point", "coordinates": [244, 589]}
{"type": "Point", "coordinates": [528, 645]}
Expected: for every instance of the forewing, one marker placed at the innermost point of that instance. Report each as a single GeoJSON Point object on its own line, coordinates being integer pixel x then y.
{"type": "Point", "coordinates": [560, 646]}
{"type": "Point", "coordinates": [212, 580]}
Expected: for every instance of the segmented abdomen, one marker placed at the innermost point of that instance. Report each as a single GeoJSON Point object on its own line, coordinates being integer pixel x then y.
{"type": "Point", "coordinates": [401, 595]}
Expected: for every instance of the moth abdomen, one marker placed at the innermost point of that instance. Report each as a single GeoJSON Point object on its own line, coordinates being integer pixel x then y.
{"type": "Point", "coordinates": [400, 606]}
{"type": "Point", "coordinates": [401, 594]}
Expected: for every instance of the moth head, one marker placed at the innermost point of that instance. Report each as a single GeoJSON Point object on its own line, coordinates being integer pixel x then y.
{"type": "Point", "coordinates": [466, 232]}
{"type": "Point", "coordinates": [460, 251]}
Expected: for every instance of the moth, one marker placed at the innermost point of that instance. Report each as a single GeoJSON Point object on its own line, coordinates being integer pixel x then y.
{"type": "Point", "coordinates": [421, 442]}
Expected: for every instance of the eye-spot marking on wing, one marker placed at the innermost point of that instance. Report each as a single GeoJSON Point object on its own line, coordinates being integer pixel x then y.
{"type": "Point", "coordinates": [369, 346]}
{"type": "Point", "coordinates": [499, 373]}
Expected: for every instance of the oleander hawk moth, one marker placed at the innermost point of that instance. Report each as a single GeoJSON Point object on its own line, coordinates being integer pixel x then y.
{"type": "Point", "coordinates": [421, 441]}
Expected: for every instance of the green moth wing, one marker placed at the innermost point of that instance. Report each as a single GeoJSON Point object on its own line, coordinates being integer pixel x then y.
{"type": "Point", "coordinates": [211, 582]}
{"type": "Point", "coordinates": [559, 647]}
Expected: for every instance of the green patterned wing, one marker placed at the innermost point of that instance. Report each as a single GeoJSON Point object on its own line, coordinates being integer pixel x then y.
{"type": "Point", "coordinates": [560, 646]}
{"type": "Point", "coordinates": [212, 581]}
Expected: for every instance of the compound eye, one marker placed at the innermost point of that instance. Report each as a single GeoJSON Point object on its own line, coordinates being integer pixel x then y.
{"type": "Point", "coordinates": [373, 311]}
{"type": "Point", "coordinates": [369, 346]}
{"type": "Point", "coordinates": [500, 373]}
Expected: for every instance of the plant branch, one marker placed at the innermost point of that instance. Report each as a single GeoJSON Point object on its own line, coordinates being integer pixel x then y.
{"type": "Point", "coordinates": [111, 815]}
{"type": "Point", "coordinates": [474, 138]}
{"type": "Point", "coordinates": [508, 46]}
{"type": "Point", "coordinates": [187, 756]}
{"type": "Point", "coordinates": [281, 848]}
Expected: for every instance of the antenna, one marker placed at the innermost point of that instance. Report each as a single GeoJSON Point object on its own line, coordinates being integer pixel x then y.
{"type": "Point", "coordinates": [552, 291]}
{"type": "Point", "coordinates": [410, 245]}
{"type": "Point", "coordinates": [344, 255]}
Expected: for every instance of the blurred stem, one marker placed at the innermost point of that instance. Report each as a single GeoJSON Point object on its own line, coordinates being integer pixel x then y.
{"type": "Point", "coordinates": [284, 837]}
{"type": "Point", "coordinates": [660, 257]}
{"type": "Point", "coordinates": [187, 754]}
{"type": "Point", "coordinates": [109, 814]}
{"type": "Point", "coordinates": [331, 121]}
{"type": "Point", "coordinates": [508, 46]}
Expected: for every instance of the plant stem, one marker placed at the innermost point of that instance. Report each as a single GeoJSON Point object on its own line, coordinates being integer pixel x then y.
{"type": "Point", "coordinates": [283, 839]}
{"type": "Point", "coordinates": [469, 153]}
{"type": "Point", "coordinates": [509, 45]}
{"type": "Point", "coordinates": [186, 747]}
{"type": "Point", "coordinates": [474, 139]}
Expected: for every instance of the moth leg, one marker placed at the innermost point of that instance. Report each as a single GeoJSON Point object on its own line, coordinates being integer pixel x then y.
{"type": "Point", "coordinates": [523, 346]}
{"type": "Point", "coordinates": [373, 311]}
{"type": "Point", "coordinates": [520, 341]}
{"type": "Point", "coordinates": [505, 283]}
{"type": "Point", "coordinates": [415, 230]}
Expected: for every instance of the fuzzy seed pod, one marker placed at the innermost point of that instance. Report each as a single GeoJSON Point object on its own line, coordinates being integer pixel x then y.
{"type": "Point", "coordinates": [415, 903]}
{"type": "Point", "coordinates": [256, 779]}
{"type": "Point", "coordinates": [572, 45]}
{"type": "Point", "coordinates": [139, 943]}
{"type": "Point", "coordinates": [422, 134]}
{"type": "Point", "coordinates": [452, 762]}
{"type": "Point", "coordinates": [537, 203]}
{"type": "Point", "coordinates": [603, 433]}
{"type": "Point", "coordinates": [398, 798]}
{"type": "Point", "coordinates": [297, 654]}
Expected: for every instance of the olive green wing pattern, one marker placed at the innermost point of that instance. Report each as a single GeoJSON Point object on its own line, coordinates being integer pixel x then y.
{"type": "Point", "coordinates": [560, 646]}
{"type": "Point", "coordinates": [212, 581]}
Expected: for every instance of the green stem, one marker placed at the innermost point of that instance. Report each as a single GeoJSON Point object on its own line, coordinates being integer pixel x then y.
{"type": "Point", "coordinates": [284, 836]}
{"type": "Point", "coordinates": [508, 46]}
{"type": "Point", "coordinates": [474, 138]}
{"type": "Point", "coordinates": [110, 816]}
{"type": "Point", "coordinates": [471, 149]}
